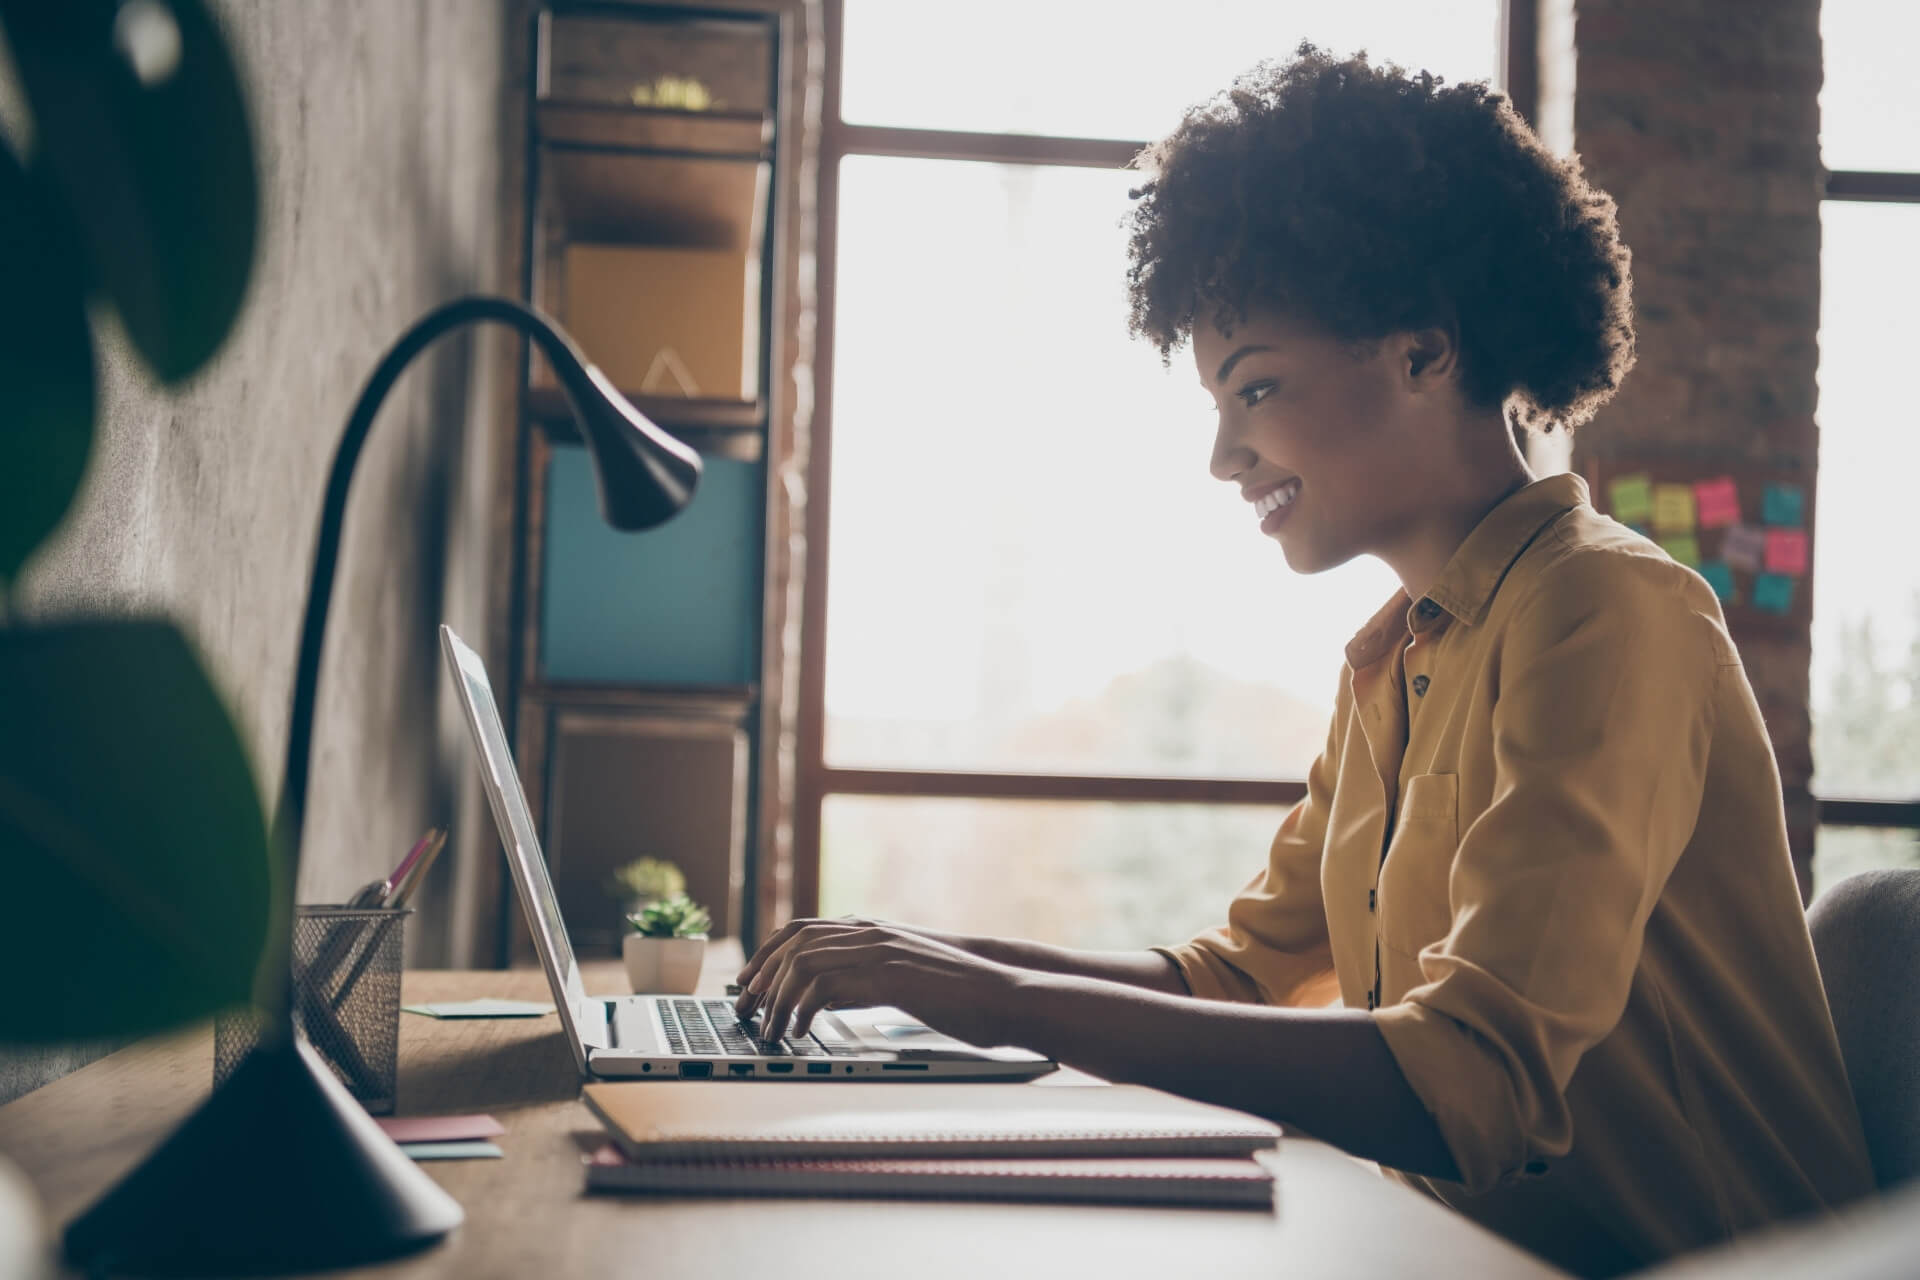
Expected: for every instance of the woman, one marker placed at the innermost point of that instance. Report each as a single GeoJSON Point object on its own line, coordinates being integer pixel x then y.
{"type": "Point", "coordinates": [1542, 860]}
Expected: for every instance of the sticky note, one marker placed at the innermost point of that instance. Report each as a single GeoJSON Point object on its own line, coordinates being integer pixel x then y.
{"type": "Point", "coordinates": [452, 1150]}
{"type": "Point", "coordinates": [1784, 504]}
{"type": "Point", "coordinates": [405, 1129]}
{"type": "Point", "coordinates": [1718, 502]}
{"type": "Point", "coordinates": [1673, 508]}
{"type": "Point", "coordinates": [482, 1009]}
{"type": "Point", "coordinates": [1683, 547]}
{"type": "Point", "coordinates": [1719, 576]}
{"type": "Point", "coordinates": [1630, 499]}
{"type": "Point", "coordinates": [1773, 592]}
{"type": "Point", "coordinates": [1787, 551]}
{"type": "Point", "coordinates": [1744, 547]}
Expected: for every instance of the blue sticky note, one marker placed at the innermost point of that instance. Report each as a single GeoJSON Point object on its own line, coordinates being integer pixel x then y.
{"type": "Point", "coordinates": [1719, 576]}
{"type": "Point", "coordinates": [1784, 504]}
{"type": "Point", "coordinates": [1773, 592]}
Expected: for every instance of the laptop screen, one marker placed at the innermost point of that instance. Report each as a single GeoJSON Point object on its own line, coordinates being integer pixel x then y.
{"type": "Point", "coordinates": [516, 826]}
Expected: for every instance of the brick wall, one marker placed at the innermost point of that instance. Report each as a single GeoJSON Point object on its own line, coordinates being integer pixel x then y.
{"type": "Point", "coordinates": [1702, 120]}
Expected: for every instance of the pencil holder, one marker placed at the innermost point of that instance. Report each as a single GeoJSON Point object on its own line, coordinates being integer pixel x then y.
{"type": "Point", "coordinates": [346, 1000]}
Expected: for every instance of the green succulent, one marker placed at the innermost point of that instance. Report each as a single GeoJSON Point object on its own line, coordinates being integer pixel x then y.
{"type": "Point", "coordinates": [676, 917]}
{"type": "Point", "coordinates": [648, 880]}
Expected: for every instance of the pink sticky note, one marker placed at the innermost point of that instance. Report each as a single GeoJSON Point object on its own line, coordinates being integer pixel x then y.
{"type": "Point", "coordinates": [439, 1128]}
{"type": "Point", "coordinates": [1744, 548]}
{"type": "Point", "coordinates": [1718, 502]}
{"type": "Point", "coordinates": [1787, 551]}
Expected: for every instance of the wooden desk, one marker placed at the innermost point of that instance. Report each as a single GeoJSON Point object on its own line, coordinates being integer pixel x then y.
{"type": "Point", "coordinates": [527, 1217]}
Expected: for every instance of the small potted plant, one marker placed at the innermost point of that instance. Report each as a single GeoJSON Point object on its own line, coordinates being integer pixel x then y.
{"type": "Point", "coordinates": [666, 946]}
{"type": "Point", "coordinates": [645, 881]}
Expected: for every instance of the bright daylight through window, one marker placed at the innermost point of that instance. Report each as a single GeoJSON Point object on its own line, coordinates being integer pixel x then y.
{"type": "Point", "coordinates": [1866, 616]}
{"type": "Point", "coordinates": [1030, 567]}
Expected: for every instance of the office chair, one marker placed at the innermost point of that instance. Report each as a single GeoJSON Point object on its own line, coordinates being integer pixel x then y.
{"type": "Point", "coordinates": [1866, 935]}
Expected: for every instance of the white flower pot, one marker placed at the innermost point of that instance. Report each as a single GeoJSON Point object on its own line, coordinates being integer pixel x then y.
{"type": "Point", "coordinates": [663, 966]}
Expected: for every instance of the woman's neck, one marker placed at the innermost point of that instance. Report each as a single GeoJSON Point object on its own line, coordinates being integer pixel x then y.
{"type": "Point", "coordinates": [1487, 470]}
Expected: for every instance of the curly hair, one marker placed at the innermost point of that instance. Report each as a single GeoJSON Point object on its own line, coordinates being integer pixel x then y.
{"type": "Point", "coordinates": [1366, 201]}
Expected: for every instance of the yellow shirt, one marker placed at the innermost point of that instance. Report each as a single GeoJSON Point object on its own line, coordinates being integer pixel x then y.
{"type": "Point", "coordinates": [1546, 844]}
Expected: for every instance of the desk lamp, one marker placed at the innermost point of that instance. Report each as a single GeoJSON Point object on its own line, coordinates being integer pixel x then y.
{"type": "Point", "coordinates": [281, 1169]}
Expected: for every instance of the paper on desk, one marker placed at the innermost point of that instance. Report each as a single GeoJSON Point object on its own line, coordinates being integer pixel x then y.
{"type": "Point", "coordinates": [405, 1129]}
{"type": "Point", "coordinates": [452, 1150]}
{"type": "Point", "coordinates": [485, 1008]}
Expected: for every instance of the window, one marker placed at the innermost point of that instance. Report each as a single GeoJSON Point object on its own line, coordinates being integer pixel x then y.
{"type": "Point", "coordinates": [1060, 686]}
{"type": "Point", "coordinates": [1866, 626]}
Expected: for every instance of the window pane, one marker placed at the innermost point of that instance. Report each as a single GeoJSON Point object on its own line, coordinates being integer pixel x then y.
{"type": "Point", "coordinates": [1120, 68]}
{"type": "Point", "coordinates": [1077, 874]}
{"type": "Point", "coordinates": [1839, 852]}
{"type": "Point", "coordinates": [1866, 645]}
{"type": "Point", "coordinates": [1869, 114]}
{"type": "Point", "coordinates": [1031, 567]}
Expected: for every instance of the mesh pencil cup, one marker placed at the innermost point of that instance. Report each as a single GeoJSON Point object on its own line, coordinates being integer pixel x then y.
{"type": "Point", "coordinates": [346, 992]}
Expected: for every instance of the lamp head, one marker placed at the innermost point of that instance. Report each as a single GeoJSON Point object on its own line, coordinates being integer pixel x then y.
{"type": "Point", "coordinates": [645, 475]}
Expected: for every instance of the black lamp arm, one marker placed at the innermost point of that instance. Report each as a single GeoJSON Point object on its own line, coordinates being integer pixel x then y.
{"type": "Point", "coordinates": [290, 816]}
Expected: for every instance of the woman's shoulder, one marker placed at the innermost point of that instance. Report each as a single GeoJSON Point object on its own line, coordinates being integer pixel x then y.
{"type": "Point", "coordinates": [1588, 570]}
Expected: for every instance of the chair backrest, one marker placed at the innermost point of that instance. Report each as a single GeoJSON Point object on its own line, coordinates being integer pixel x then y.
{"type": "Point", "coordinates": [1866, 934]}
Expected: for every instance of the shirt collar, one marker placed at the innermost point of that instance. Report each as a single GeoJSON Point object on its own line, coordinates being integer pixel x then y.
{"type": "Point", "coordinates": [1465, 587]}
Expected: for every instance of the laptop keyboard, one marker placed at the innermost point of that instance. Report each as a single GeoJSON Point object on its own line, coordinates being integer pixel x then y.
{"type": "Point", "coordinates": [709, 1028]}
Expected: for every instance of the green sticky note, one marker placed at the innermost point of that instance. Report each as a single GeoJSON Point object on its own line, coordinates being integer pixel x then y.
{"type": "Point", "coordinates": [1630, 499]}
{"type": "Point", "coordinates": [1773, 592]}
{"type": "Point", "coordinates": [1683, 547]}
{"type": "Point", "coordinates": [1784, 504]}
{"type": "Point", "coordinates": [1719, 576]}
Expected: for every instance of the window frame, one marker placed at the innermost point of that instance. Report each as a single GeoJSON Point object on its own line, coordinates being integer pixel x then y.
{"type": "Point", "coordinates": [815, 779]}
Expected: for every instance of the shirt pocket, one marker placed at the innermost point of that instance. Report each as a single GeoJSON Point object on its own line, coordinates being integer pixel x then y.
{"type": "Point", "coordinates": [1414, 908]}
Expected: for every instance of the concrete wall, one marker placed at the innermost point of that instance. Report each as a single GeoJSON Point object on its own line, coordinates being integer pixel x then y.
{"type": "Point", "coordinates": [383, 133]}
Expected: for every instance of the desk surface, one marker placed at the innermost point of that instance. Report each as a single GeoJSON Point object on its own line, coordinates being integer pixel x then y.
{"type": "Point", "coordinates": [527, 1216]}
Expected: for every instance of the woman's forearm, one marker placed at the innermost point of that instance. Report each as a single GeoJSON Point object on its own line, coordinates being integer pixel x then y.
{"type": "Point", "coordinates": [1327, 1072]}
{"type": "Point", "coordinates": [1147, 969]}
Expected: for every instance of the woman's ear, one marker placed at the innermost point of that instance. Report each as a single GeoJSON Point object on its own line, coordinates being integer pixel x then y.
{"type": "Point", "coordinates": [1429, 356]}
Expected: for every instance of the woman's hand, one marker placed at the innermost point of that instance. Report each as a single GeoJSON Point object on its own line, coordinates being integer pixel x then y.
{"type": "Point", "coordinates": [813, 964]}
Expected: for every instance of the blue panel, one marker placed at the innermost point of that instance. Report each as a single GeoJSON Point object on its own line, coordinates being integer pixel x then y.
{"type": "Point", "coordinates": [679, 604]}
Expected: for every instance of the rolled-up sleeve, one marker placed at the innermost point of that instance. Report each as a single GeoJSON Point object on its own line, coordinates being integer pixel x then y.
{"type": "Point", "coordinates": [1601, 731]}
{"type": "Point", "coordinates": [1274, 948]}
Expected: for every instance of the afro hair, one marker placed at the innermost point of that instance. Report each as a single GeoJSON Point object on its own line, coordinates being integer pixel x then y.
{"type": "Point", "coordinates": [1366, 201]}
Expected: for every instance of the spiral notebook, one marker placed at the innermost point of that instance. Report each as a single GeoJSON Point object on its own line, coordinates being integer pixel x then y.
{"type": "Point", "coordinates": [859, 1121]}
{"type": "Point", "coordinates": [1218, 1182]}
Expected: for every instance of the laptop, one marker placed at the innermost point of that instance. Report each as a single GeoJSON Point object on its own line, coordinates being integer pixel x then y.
{"type": "Point", "coordinates": [674, 1037]}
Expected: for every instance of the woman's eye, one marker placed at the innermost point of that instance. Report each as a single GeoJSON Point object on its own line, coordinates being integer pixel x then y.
{"type": "Point", "coordinates": [1254, 392]}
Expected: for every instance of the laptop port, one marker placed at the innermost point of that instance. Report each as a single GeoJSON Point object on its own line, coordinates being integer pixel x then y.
{"type": "Point", "coordinates": [780, 1068]}
{"type": "Point", "coordinates": [740, 1068]}
{"type": "Point", "coordinates": [819, 1068]}
{"type": "Point", "coordinates": [903, 1066]}
{"type": "Point", "coordinates": [695, 1070]}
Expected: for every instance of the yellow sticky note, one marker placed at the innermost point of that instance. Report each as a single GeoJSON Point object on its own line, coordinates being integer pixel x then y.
{"type": "Point", "coordinates": [1683, 547]}
{"type": "Point", "coordinates": [1673, 508]}
{"type": "Point", "coordinates": [1630, 499]}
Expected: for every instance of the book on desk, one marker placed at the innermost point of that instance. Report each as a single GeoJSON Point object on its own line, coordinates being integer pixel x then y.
{"type": "Point", "coordinates": [1115, 1143]}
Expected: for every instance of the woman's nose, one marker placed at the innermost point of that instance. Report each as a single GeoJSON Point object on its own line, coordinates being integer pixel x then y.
{"type": "Point", "coordinates": [1230, 459]}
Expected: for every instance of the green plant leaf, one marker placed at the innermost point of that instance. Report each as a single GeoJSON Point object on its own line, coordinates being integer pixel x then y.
{"type": "Point", "coordinates": [46, 372]}
{"type": "Point", "coordinates": [140, 117]}
{"type": "Point", "coordinates": [135, 847]}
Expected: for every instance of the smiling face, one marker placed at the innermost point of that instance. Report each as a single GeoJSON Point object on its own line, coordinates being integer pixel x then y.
{"type": "Point", "coordinates": [1335, 446]}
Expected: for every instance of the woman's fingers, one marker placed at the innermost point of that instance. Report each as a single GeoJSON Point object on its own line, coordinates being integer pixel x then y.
{"type": "Point", "coordinates": [804, 968]}
{"type": "Point", "coordinates": [766, 952]}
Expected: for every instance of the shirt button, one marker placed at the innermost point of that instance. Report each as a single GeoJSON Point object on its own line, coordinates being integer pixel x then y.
{"type": "Point", "coordinates": [1420, 686]}
{"type": "Point", "coordinates": [1370, 895]}
{"type": "Point", "coordinates": [1427, 609]}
